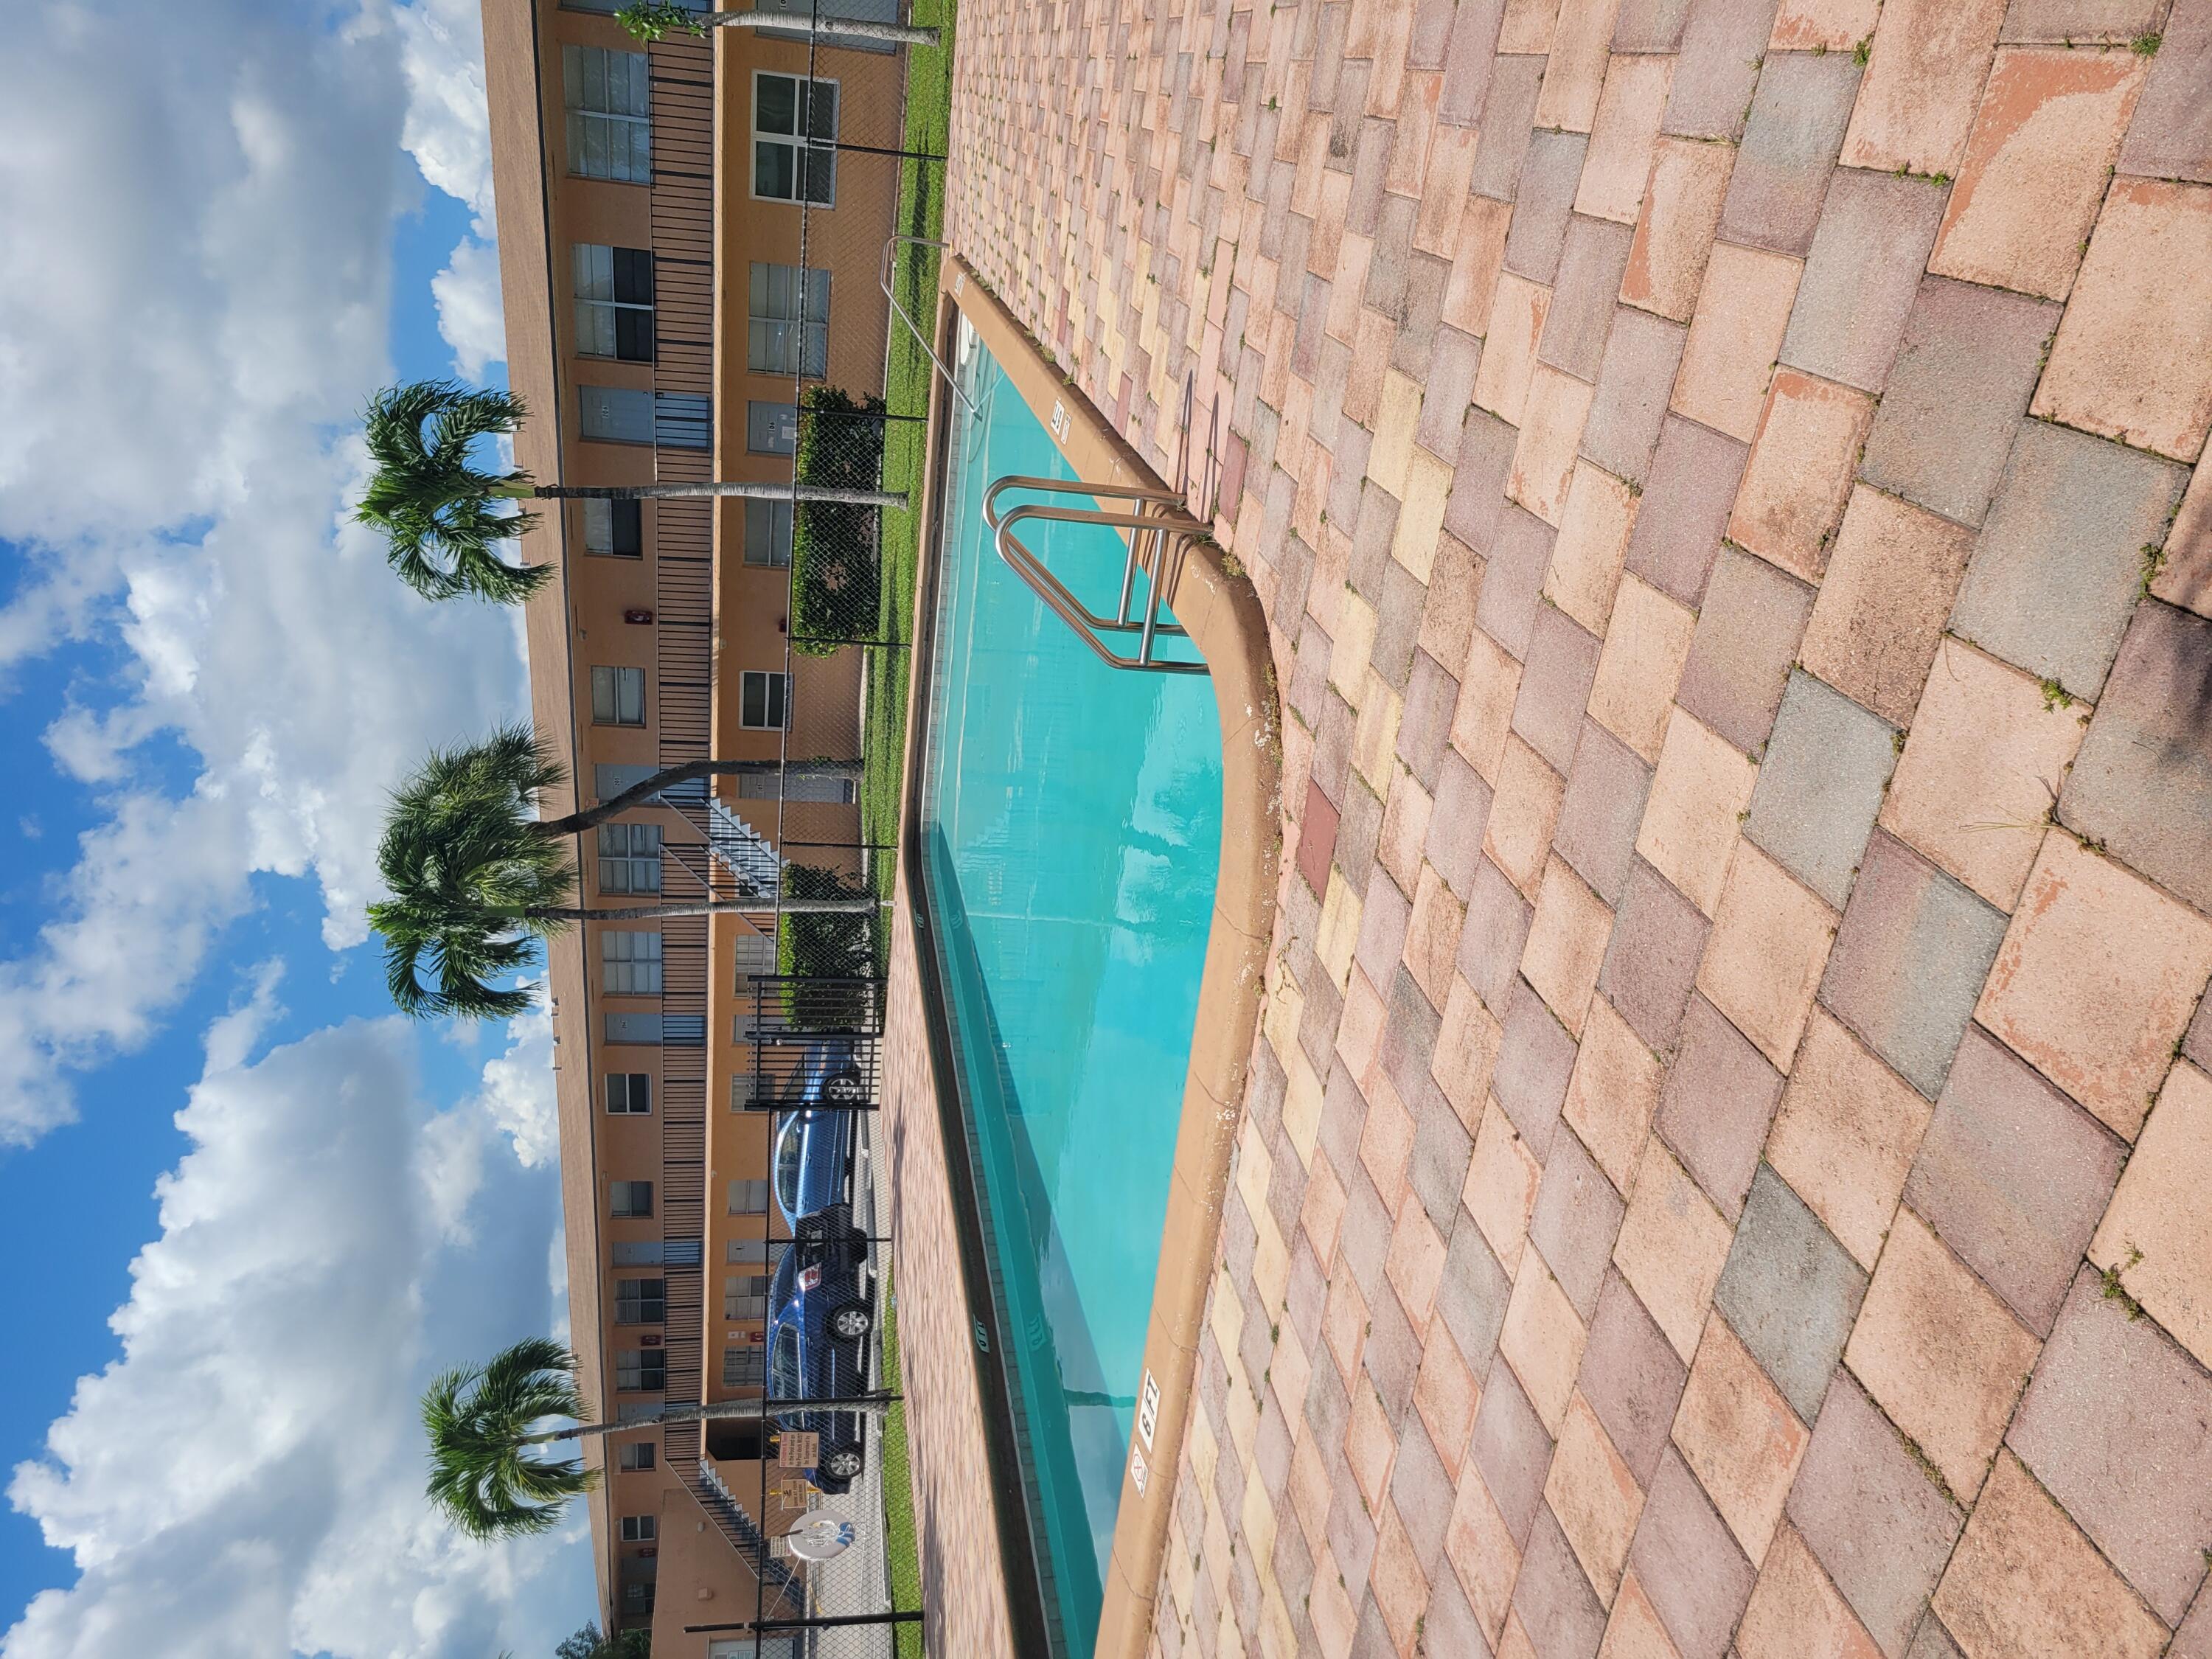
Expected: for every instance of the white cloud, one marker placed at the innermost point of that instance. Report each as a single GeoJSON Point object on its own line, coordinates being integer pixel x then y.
{"type": "Point", "coordinates": [446, 132]}
{"type": "Point", "coordinates": [441, 55]}
{"type": "Point", "coordinates": [194, 301]}
{"type": "Point", "coordinates": [246, 1480]}
{"type": "Point", "coordinates": [470, 316]}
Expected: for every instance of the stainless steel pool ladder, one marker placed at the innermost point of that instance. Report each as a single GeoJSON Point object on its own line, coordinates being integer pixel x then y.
{"type": "Point", "coordinates": [1168, 531]}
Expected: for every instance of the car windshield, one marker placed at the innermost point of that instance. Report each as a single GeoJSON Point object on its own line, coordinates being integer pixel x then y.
{"type": "Point", "coordinates": [790, 1149]}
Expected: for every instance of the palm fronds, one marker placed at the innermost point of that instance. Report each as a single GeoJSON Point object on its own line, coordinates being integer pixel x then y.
{"type": "Point", "coordinates": [467, 864]}
{"type": "Point", "coordinates": [434, 502]}
{"type": "Point", "coordinates": [483, 1474]}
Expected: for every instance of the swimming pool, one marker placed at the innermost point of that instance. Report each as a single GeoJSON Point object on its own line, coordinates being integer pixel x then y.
{"type": "Point", "coordinates": [1070, 819]}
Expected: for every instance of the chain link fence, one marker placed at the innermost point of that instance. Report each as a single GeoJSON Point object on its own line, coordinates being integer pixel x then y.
{"type": "Point", "coordinates": [817, 1493]}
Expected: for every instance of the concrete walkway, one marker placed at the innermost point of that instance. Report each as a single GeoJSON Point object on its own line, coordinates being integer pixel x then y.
{"type": "Point", "coordinates": [1730, 1169]}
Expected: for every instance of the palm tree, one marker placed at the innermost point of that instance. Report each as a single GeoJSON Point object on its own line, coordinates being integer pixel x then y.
{"type": "Point", "coordinates": [442, 511]}
{"type": "Point", "coordinates": [476, 878]}
{"type": "Point", "coordinates": [652, 19]}
{"type": "Point", "coordinates": [486, 1472]}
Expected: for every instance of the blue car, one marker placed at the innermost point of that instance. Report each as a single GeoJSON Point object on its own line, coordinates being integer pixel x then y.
{"type": "Point", "coordinates": [822, 1315]}
{"type": "Point", "coordinates": [813, 1160]}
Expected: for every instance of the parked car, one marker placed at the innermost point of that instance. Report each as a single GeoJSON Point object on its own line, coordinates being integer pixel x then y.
{"type": "Point", "coordinates": [821, 1317]}
{"type": "Point", "coordinates": [813, 1161]}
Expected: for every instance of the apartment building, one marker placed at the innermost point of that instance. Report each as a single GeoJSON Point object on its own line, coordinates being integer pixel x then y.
{"type": "Point", "coordinates": [650, 230]}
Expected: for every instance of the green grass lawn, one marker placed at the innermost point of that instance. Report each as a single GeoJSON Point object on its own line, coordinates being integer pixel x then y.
{"type": "Point", "coordinates": [906, 390]}
{"type": "Point", "coordinates": [899, 1540]}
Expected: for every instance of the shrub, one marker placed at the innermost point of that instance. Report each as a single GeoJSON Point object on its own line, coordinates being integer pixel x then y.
{"type": "Point", "coordinates": [836, 584]}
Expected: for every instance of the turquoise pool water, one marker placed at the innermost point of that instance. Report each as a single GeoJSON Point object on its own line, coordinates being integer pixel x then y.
{"type": "Point", "coordinates": [1071, 818]}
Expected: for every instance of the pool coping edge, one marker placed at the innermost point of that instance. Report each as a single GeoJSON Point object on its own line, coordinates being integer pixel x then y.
{"type": "Point", "coordinates": [1217, 603]}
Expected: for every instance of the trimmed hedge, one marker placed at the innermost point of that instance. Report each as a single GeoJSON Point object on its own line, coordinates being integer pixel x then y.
{"type": "Point", "coordinates": [836, 570]}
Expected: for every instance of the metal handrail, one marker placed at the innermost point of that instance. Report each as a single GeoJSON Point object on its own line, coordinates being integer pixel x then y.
{"type": "Point", "coordinates": [1170, 541]}
{"type": "Point", "coordinates": [883, 277]}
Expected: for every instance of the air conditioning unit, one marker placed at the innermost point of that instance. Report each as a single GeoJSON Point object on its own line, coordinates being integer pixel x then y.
{"type": "Point", "coordinates": [651, 1339]}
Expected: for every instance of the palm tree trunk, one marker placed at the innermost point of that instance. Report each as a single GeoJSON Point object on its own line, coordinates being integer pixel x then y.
{"type": "Point", "coordinates": [723, 1411]}
{"type": "Point", "coordinates": [661, 782]}
{"type": "Point", "coordinates": [833, 28]}
{"type": "Point", "coordinates": [686, 492]}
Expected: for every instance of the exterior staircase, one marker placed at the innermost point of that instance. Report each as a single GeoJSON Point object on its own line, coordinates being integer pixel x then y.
{"type": "Point", "coordinates": [776, 1576]}
{"type": "Point", "coordinates": [744, 852]}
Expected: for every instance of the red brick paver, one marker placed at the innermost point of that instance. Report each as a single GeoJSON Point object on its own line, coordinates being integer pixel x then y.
{"type": "Point", "coordinates": [1732, 1060]}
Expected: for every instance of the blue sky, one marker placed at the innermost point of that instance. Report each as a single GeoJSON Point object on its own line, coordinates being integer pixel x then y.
{"type": "Point", "coordinates": [249, 1210]}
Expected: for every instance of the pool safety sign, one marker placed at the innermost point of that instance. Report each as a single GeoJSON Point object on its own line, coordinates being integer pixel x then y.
{"type": "Point", "coordinates": [1148, 1421]}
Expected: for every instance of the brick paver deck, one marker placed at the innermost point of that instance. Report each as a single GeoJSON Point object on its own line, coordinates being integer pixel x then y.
{"type": "Point", "coordinates": [1734, 1091]}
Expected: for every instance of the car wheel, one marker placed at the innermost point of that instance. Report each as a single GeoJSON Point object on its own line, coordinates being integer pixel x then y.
{"type": "Point", "coordinates": [851, 1323]}
{"type": "Point", "coordinates": [846, 1090]}
{"type": "Point", "coordinates": [842, 1464]}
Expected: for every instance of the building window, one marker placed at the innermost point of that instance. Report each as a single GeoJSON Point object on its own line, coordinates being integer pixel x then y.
{"type": "Point", "coordinates": [638, 1454]}
{"type": "Point", "coordinates": [743, 1367]}
{"type": "Point", "coordinates": [630, 1094]}
{"type": "Point", "coordinates": [749, 1197]}
{"type": "Point", "coordinates": [745, 1297]}
{"type": "Point", "coordinates": [641, 1301]}
{"type": "Point", "coordinates": [763, 701]}
{"type": "Point", "coordinates": [618, 696]}
{"type": "Point", "coordinates": [614, 529]}
{"type": "Point", "coordinates": [609, 114]}
{"type": "Point", "coordinates": [771, 429]}
{"type": "Point", "coordinates": [615, 414]}
{"type": "Point", "coordinates": [767, 534]}
{"type": "Point", "coordinates": [614, 302]}
{"type": "Point", "coordinates": [756, 955]}
{"type": "Point", "coordinates": [639, 1528]}
{"type": "Point", "coordinates": [637, 1597]}
{"type": "Point", "coordinates": [789, 111]}
{"type": "Point", "coordinates": [772, 346]}
{"type": "Point", "coordinates": [629, 858]}
{"type": "Point", "coordinates": [642, 1370]}
{"type": "Point", "coordinates": [631, 961]}
{"type": "Point", "coordinates": [632, 1199]}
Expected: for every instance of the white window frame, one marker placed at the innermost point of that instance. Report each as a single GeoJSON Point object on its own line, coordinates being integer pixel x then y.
{"type": "Point", "coordinates": [737, 1374]}
{"type": "Point", "coordinates": [767, 534]}
{"type": "Point", "coordinates": [628, 124]}
{"type": "Point", "coordinates": [599, 528]}
{"type": "Point", "coordinates": [638, 1454]}
{"type": "Point", "coordinates": [745, 1297]}
{"type": "Point", "coordinates": [639, 1302]}
{"type": "Point", "coordinates": [592, 269]}
{"type": "Point", "coordinates": [806, 159]}
{"type": "Point", "coordinates": [637, 1363]}
{"type": "Point", "coordinates": [622, 1198]}
{"type": "Point", "coordinates": [769, 333]}
{"type": "Point", "coordinates": [629, 962]}
{"type": "Point", "coordinates": [617, 695]}
{"type": "Point", "coordinates": [629, 858]}
{"type": "Point", "coordinates": [639, 1528]}
{"type": "Point", "coordinates": [749, 1197]}
{"type": "Point", "coordinates": [769, 689]}
{"type": "Point", "coordinates": [630, 1094]}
